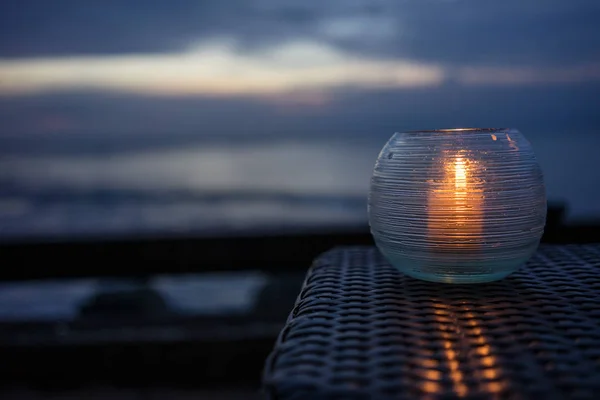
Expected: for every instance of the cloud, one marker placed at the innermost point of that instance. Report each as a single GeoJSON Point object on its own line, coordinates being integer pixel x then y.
{"type": "Point", "coordinates": [487, 32]}
{"type": "Point", "coordinates": [93, 122]}
{"type": "Point", "coordinates": [38, 28]}
{"type": "Point", "coordinates": [186, 66]}
{"type": "Point", "coordinates": [481, 32]}
{"type": "Point", "coordinates": [217, 69]}
{"type": "Point", "coordinates": [303, 67]}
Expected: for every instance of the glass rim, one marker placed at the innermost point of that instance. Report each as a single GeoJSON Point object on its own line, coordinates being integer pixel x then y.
{"type": "Point", "coordinates": [459, 130]}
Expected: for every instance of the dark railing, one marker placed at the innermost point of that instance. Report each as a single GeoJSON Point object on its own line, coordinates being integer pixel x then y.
{"type": "Point", "coordinates": [173, 255]}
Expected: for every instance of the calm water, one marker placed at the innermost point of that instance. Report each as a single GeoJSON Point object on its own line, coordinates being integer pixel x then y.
{"type": "Point", "coordinates": [224, 187]}
{"type": "Point", "coordinates": [216, 188]}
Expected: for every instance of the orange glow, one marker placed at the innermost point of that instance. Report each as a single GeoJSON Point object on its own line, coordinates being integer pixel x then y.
{"type": "Point", "coordinates": [430, 363]}
{"type": "Point", "coordinates": [460, 176]}
{"type": "Point", "coordinates": [452, 364]}
{"type": "Point", "coordinates": [476, 331]}
{"type": "Point", "coordinates": [495, 387]}
{"type": "Point", "coordinates": [479, 339]}
{"type": "Point", "coordinates": [455, 205]}
{"type": "Point", "coordinates": [433, 374]}
{"type": "Point", "coordinates": [511, 143]}
{"type": "Point", "coordinates": [431, 387]}
{"type": "Point", "coordinates": [455, 374]}
{"type": "Point", "coordinates": [451, 356]}
{"type": "Point", "coordinates": [483, 350]}
{"type": "Point", "coordinates": [487, 360]}
{"type": "Point", "coordinates": [490, 373]}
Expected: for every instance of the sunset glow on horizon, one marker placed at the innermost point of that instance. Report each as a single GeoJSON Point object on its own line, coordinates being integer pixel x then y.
{"type": "Point", "coordinates": [218, 68]}
{"type": "Point", "coordinates": [215, 68]}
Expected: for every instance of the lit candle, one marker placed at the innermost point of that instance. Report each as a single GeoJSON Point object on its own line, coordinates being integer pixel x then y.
{"type": "Point", "coordinates": [457, 205]}
{"type": "Point", "coordinates": [455, 213]}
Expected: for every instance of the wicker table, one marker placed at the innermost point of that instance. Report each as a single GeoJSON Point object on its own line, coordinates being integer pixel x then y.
{"type": "Point", "coordinates": [361, 330]}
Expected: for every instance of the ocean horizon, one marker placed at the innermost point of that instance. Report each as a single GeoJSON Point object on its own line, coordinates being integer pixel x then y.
{"type": "Point", "coordinates": [222, 187]}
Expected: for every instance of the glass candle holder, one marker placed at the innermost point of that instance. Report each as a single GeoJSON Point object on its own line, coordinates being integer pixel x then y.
{"type": "Point", "coordinates": [457, 205]}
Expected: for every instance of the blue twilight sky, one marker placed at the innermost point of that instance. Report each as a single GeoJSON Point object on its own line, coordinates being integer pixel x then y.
{"type": "Point", "coordinates": [178, 70]}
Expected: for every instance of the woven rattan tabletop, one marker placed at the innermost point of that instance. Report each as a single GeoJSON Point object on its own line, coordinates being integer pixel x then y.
{"type": "Point", "coordinates": [362, 330]}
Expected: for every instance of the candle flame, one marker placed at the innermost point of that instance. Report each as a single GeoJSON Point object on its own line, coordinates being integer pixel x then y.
{"type": "Point", "coordinates": [455, 205]}
{"type": "Point", "coordinates": [460, 174]}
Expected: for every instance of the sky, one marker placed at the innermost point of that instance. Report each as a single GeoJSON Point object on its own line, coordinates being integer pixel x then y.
{"type": "Point", "coordinates": [303, 67]}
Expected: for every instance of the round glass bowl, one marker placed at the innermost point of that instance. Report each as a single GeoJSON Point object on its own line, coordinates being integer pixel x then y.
{"type": "Point", "coordinates": [457, 205]}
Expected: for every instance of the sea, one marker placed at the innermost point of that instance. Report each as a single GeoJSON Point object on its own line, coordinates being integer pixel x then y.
{"type": "Point", "coordinates": [215, 187]}
{"type": "Point", "coordinates": [222, 187]}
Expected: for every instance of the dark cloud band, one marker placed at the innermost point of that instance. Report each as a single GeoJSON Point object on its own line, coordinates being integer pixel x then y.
{"type": "Point", "coordinates": [451, 32]}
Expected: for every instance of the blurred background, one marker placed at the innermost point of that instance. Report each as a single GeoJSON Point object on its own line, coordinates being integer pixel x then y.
{"type": "Point", "coordinates": [123, 120]}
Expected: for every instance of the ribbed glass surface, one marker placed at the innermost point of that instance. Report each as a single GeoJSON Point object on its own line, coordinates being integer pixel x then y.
{"type": "Point", "coordinates": [457, 205]}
